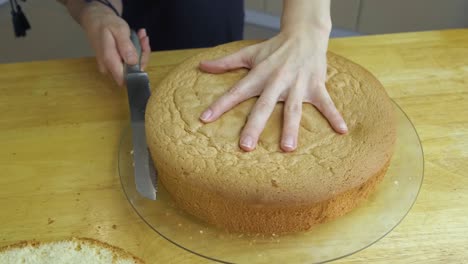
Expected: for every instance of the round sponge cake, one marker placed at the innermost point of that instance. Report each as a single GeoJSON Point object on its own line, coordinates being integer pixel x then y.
{"type": "Point", "coordinates": [267, 190]}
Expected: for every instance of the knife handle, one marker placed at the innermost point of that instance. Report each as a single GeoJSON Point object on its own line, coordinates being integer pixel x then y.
{"type": "Point", "coordinates": [136, 43]}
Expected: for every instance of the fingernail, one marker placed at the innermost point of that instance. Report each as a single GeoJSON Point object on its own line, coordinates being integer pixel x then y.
{"type": "Point", "coordinates": [288, 142]}
{"type": "Point", "coordinates": [343, 127]}
{"type": "Point", "coordinates": [206, 115]}
{"type": "Point", "coordinates": [247, 142]}
{"type": "Point", "coordinates": [144, 31]}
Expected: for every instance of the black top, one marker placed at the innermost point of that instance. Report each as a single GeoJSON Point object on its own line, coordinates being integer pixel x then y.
{"type": "Point", "coordinates": [182, 24]}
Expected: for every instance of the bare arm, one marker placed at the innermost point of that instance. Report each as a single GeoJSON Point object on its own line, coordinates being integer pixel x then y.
{"type": "Point", "coordinates": [76, 7]}
{"type": "Point", "coordinates": [306, 14]}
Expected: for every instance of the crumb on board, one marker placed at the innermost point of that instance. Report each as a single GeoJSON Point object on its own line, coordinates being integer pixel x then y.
{"type": "Point", "coordinates": [114, 226]}
{"type": "Point", "coordinates": [274, 183]}
{"type": "Point", "coordinates": [50, 221]}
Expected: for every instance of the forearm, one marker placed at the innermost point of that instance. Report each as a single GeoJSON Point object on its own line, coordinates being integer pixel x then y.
{"type": "Point", "coordinates": [76, 7]}
{"type": "Point", "coordinates": [299, 15]}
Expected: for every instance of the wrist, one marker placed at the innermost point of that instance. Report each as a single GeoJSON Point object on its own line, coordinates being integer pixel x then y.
{"type": "Point", "coordinates": [321, 27]}
{"type": "Point", "coordinates": [92, 10]}
{"type": "Point", "coordinates": [307, 33]}
{"type": "Point", "coordinates": [307, 19]}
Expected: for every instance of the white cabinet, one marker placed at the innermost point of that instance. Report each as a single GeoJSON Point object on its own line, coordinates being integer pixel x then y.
{"type": "Point", "coordinates": [383, 16]}
{"type": "Point", "coordinates": [386, 16]}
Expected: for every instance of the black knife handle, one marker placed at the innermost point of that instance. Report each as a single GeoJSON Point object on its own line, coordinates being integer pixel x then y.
{"type": "Point", "coordinates": [136, 43]}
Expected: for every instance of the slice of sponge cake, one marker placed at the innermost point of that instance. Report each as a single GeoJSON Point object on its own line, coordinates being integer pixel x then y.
{"type": "Point", "coordinates": [71, 251]}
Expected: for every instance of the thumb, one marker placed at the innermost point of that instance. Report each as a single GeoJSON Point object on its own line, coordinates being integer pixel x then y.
{"type": "Point", "coordinates": [240, 59]}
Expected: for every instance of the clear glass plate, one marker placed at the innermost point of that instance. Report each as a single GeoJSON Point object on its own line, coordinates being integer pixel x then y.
{"type": "Point", "coordinates": [362, 227]}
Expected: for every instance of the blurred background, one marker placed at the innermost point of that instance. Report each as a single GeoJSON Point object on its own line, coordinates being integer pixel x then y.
{"type": "Point", "coordinates": [55, 35]}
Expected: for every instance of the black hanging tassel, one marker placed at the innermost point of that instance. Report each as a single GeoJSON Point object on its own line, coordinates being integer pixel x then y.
{"type": "Point", "coordinates": [22, 18]}
{"type": "Point", "coordinates": [19, 30]}
{"type": "Point", "coordinates": [20, 22]}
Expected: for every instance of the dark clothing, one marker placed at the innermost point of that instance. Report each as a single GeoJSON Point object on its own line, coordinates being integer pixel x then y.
{"type": "Point", "coordinates": [182, 24]}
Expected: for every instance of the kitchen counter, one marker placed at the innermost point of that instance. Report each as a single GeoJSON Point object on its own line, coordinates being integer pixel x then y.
{"type": "Point", "coordinates": [61, 121]}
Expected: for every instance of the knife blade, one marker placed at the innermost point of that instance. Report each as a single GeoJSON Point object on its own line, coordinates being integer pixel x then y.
{"type": "Point", "coordinates": [138, 91]}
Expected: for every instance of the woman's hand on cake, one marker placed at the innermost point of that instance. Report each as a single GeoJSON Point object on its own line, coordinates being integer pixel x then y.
{"type": "Point", "coordinates": [109, 36]}
{"type": "Point", "coordinates": [290, 67]}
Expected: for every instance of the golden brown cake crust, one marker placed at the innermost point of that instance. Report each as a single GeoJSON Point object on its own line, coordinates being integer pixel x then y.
{"type": "Point", "coordinates": [202, 158]}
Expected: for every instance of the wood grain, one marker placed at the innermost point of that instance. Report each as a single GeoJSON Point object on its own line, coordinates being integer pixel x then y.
{"type": "Point", "coordinates": [60, 124]}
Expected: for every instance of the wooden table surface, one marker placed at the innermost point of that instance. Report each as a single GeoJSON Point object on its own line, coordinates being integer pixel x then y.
{"type": "Point", "coordinates": [60, 124]}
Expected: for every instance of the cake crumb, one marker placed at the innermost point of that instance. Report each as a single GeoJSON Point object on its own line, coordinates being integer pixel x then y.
{"type": "Point", "coordinates": [395, 182]}
{"type": "Point", "coordinates": [201, 231]}
{"type": "Point", "coordinates": [179, 224]}
{"type": "Point", "coordinates": [78, 247]}
{"type": "Point", "coordinates": [274, 183]}
{"type": "Point", "coordinates": [131, 152]}
{"type": "Point", "coordinates": [241, 235]}
{"type": "Point", "coordinates": [50, 221]}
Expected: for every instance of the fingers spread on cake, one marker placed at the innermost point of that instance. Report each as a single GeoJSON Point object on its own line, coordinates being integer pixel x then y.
{"type": "Point", "coordinates": [248, 87]}
{"type": "Point", "coordinates": [292, 116]}
{"type": "Point", "coordinates": [240, 59]}
{"type": "Point", "coordinates": [260, 114]}
{"type": "Point", "coordinates": [325, 105]}
{"type": "Point", "coordinates": [289, 67]}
